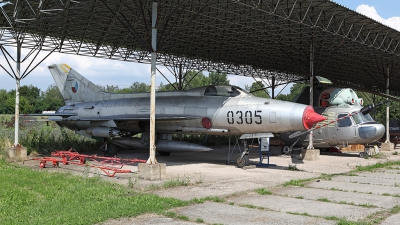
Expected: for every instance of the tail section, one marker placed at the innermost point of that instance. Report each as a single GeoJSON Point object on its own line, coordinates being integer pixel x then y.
{"type": "Point", "coordinates": [74, 87]}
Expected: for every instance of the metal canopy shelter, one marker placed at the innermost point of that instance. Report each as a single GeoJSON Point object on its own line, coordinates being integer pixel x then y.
{"type": "Point", "coordinates": [258, 38]}
{"type": "Point", "coordinates": [262, 38]}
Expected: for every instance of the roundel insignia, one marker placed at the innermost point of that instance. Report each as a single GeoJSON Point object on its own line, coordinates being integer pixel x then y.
{"type": "Point", "coordinates": [75, 87]}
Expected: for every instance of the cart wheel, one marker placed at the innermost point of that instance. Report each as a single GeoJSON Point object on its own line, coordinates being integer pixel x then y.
{"type": "Point", "coordinates": [363, 154]}
{"type": "Point", "coordinates": [82, 160]}
{"type": "Point", "coordinates": [56, 164]}
{"type": "Point", "coordinates": [65, 160]}
{"type": "Point", "coordinates": [286, 150]}
{"type": "Point", "coordinates": [242, 161]}
{"type": "Point", "coordinates": [42, 164]}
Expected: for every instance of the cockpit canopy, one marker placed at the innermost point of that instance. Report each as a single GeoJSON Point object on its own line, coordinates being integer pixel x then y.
{"type": "Point", "coordinates": [358, 118]}
{"type": "Point", "coordinates": [224, 90]}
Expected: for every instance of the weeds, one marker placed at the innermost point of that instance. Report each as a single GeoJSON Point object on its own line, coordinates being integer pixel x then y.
{"type": "Point", "coordinates": [323, 200]}
{"type": "Point", "coordinates": [263, 191]}
{"type": "Point", "coordinates": [177, 182]}
{"type": "Point", "coordinates": [38, 137]}
{"type": "Point", "coordinates": [376, 166]}
{"type": "Point", "coordinates": [299, 182]}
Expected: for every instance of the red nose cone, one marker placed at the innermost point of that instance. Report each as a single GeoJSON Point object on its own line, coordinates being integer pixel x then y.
{"type": "Point", "coordinates": [310, 117]}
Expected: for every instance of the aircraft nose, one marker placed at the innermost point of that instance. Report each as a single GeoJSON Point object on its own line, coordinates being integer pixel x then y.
{"type": "Point", "coordinates": [371, 131]}
{"type": "Point", "coordinates": [310, 117]}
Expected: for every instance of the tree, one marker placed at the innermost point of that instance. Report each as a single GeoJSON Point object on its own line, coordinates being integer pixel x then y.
{"type": "Point", "coordinates": [166, 87]}
{"type": "Point", "coordinates": [139, 87]}
{"type": "Point", "coordinates": [380, 112]}
{"type": "Point", "coordinates": [258, 89]}
{"type": "Point", "coordinates": [218, 78]}
{"type": "Point", "coordinates": [295, 90]}
{"type": "Point", "coordinates": [51, 99]}
{"type": "Point", "coordinates": [195, 79]}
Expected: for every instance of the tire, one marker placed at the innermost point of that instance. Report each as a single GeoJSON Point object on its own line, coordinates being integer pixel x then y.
{"type": "Point", "coordinates": [111, 150]}
{"type": "Point", "coordinates": [241, 162]}
{"type": "Point", "coordinates": [164, 153]}
{"type": "Point", "coordinates": [363, 154]}
{"type": "Point", "coordinates": [286, 150]}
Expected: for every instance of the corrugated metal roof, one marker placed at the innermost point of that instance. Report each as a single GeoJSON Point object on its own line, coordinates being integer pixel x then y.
{"type": "Point", "coordinates": [259, 38]}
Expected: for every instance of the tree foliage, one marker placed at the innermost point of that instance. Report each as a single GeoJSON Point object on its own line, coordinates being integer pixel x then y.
{"type": "Point", "coordinates": [294, 91]}
{"type": "Point", "coordinates": [258, 89]}
{"type": "Point", "coordinates": [193, 79]}
{"type": "Point", "coordinates": [379, 113]}
{"type": "Point", "coordinates": [30, 100]}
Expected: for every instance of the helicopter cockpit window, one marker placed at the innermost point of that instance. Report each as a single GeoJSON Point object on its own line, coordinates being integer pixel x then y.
{"type": "Point", "coordinates": [369, 118]}
{"type": "Point", "coordinates": [222, 90]}
{"type": "Point", "coordinates": [360, 118]}
{"type": "Point", "coordinates": [346, 122]}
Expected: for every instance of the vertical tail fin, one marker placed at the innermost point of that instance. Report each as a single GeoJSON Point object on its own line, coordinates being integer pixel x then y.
{"type": "Point", "coordinates": [74, 87]}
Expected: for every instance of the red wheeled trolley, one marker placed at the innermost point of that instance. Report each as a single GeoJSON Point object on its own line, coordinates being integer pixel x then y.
{"type": "Point", "coordinates": [109, 165]}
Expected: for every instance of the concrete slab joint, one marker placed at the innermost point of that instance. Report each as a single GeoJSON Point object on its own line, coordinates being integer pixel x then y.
{"type": "Point", "coordinates": [310, 154]}
{"type": "Point", "coordinates": [152, 171]}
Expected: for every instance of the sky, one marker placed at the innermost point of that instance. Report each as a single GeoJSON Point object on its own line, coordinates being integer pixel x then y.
{"type": "Point", "coordinates": [123, 74]}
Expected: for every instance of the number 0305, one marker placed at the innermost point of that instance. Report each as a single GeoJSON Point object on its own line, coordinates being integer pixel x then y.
{"type": "Point", "coordinates": [240, 117]}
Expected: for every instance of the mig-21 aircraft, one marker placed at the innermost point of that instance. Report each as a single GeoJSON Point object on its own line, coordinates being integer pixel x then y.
{"type": "Point", "coordinates": [336, 104]}
{"type": "Point", "coordinates": [210, 110]}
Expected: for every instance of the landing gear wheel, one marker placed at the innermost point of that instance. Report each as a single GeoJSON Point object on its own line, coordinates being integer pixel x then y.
{"type": "Point", "coordinates": [363, 154]}
{"type": "Point", "coordinates": [242, 161]}
{"type": "Point", "coordinates": [164, 153]}
{"type": "Point", "coordinates": [110, 150]}
{"type": "Point", "coordinates": [286, 150]}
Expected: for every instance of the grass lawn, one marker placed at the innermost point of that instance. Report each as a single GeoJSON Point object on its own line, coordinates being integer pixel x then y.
{"type": "Point", "coordinates": [41, 197]}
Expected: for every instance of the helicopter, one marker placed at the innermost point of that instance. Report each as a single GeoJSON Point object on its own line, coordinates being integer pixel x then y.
{"type": "Point", "coordinates": [336, 104]}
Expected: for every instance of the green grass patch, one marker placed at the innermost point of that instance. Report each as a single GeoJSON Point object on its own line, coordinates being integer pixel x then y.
{"type": "Point", "coordinates": [376, 166]}
{"type": "Point", "coordinates": [213, 199]}
{"type": "Point", "coordinates": [395, 209]}
{"type": "Point", "coordinates": [367, 205]}
{"type": "Point", "coordinates": [176, 182]}
{"type": "Point", "coordinates": [199, 220]}
{"type": "Point", "coordinates": [41, 197]}
{"type": "Point", "coordinates": [323, 200]}
{"type": "Point", "coordinates": [299, 182]}
{"type": "Point", "coordinates": [300, 214]}
{"type": "Point", "coordinates": [263, 191]}
{"type": "Point", "coordinates": [352, 174]}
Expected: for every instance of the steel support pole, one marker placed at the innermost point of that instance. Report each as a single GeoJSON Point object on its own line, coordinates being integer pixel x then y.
{"type": "Point", "coordinates": [17, 82]}
{"type": "Point", "coordinates": [273, 87]}
{"type": "Point", "coordinates": [152, 158]}
{"type": "Point", "coordinates": [310, 143]}
{"type": "Point", "coordinates": [387, 107]}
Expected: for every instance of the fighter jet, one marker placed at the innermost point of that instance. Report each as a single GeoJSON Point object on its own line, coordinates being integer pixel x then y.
{"type": "Point", "coordinates": [336, 104]}
{"type": "Point", "coordinates": [213, 110]}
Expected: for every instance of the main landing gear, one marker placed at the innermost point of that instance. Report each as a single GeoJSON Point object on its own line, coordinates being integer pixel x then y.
{"type": "Point", "coordinates": [243, 160]}
{"type": "Point", "coordinates": [109, 149]}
